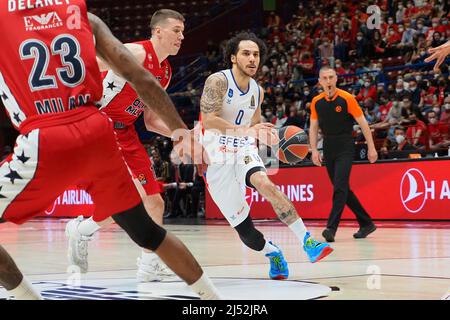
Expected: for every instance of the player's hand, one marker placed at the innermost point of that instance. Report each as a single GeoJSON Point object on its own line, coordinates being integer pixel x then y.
{"type": "Point", "coordinates": [266, 133]}
{"type": "Point", "coordinates": [316, 158]}
{"type": "Point", "coordinates": [439, 54]}
{"type": "Point", "coordinates": [372, 155]}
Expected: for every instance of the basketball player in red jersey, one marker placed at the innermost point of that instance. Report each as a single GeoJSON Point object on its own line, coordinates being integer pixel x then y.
{"type": "Point", "coordinates": [49, 82]}
{"type": "Point", "coordinates": [122, 104]}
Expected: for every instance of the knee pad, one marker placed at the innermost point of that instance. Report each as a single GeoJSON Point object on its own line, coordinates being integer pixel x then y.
{"type": "Point", "coordinates": [250, 236]}
{"type": "Point", "coordinates": [140, 227]}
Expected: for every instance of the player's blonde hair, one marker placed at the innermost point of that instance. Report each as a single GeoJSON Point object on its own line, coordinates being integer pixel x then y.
{"type": "Point", "coordinates": [164, 14]}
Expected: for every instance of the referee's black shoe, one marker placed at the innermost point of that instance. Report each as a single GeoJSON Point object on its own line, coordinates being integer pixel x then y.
{"type": "Point", "coordinates": [328, 234]}
{"type": "Point", "coordinates": [364, 231]}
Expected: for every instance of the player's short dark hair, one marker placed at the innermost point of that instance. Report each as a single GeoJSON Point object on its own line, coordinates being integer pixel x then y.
{"type": "Point", "coordinates": [164, 14]}
{"type": "Point", "coordinates": [232, 47]}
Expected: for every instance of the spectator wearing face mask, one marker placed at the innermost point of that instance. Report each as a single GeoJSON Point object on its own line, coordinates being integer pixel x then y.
{"type": "Point", "coordinates": [339, 68]}
{"type": "Point", "coordinates": [326, 51]}
{"type": "Point", "coordinates": [384, 107]}
{"type": "Point", "coordinates": [294, 118]}
{"type": "Point", "coordinates": [429, 98]}
{"type": "Point", "coordinates": [414, 92]}
{"type": "Point", "coordinates": [411, 10]}
{"type": "Point", "coordinates": [438, 132]}
{"type": "Point", "coordinates": [268, 115]}
{"type": "Point", "coordinates": [436, 26]}
{"type": "Point", "coordinates": [421, 28]}
{"type": "Point", "coordinates": [400, 13]}
{"type": "Point", "coordinates": [379, 45]}
{"type": "Point", "coordinates": [306, 97]}
{"type": "Point", "coordinates": [393, 39]}
{"type": "Point", "coordinates": [307, 64]}
{"type": "Point", "coordinates": [445, 114]}
{"type": "Point", "coordinates": [368, 91]}
{"type": "Point", "coordinates": [399, 90]}
{"type": "Point", "coordinates": [397, 143]}
{"type": "Point", "coordinates": [417, 132]}
{"type": "Point", "coordinates": [361, 48]}
{"type": "Point", "coordinates": [408, 36]}
{"type": "Point", "coordinates": [442, 89]}
{"type": "Point", "coordinates": [394, 117]}
{"type": "Point", "coordinates": [280, 117]}
{"type": "Point", "coordinates": [419, 55]}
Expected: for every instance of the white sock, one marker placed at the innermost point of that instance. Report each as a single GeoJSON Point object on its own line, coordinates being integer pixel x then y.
{"type": "Point", "coordinates": [148, 257]}
{"type": "Point", "coordinates": [88, 227]}
{"type": "Point", "coordinates": [269, 248]}
{"type": "Point", "coordinates": [25, 291]}
{"type": "Point", "coordinates": [206, 289]}
{"type": "Point", "coordinates": [298, 227]}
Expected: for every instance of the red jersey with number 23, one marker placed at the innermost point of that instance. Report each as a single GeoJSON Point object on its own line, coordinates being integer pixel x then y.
{"type": "Point", "coordinates": [48, 66]}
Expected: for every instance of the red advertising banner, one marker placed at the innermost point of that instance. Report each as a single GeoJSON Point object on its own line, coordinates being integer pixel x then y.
{"type": "Point", "coordinates": [412, 190]}
{"type": "Point", "coordinates": [72, 203]}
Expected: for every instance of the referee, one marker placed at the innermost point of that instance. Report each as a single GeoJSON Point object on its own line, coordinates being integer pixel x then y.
{"type": "Point", "coordinates": [334, 111]}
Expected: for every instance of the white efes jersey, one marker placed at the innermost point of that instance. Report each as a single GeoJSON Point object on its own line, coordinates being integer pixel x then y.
{"type": "Point", "coordinates": [238, 109]}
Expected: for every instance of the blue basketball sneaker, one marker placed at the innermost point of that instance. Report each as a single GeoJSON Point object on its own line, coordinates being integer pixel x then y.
{"type": "Point", "coordinates": [314, 249]}
{"type": "Point", "coordinates": [278, 265]}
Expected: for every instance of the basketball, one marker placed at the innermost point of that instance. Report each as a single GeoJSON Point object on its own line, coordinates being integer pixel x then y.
{"type": "Point", "coordinates": [294, 144]}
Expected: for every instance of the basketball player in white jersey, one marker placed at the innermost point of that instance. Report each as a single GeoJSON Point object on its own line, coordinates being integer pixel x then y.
{"type": "Point", "coordinates": [231, 120]}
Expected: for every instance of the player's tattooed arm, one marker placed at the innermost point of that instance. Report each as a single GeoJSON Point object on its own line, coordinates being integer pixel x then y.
{"type": "Point", "coordinates": [211, 104]}
{"type": "Point", "coordinates": [213, 92]}
{"type": "Point", "coordinates": [122, 61]}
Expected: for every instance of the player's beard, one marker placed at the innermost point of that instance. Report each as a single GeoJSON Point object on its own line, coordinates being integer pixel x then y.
{"type": "Point", "coordinates": [243, 70]}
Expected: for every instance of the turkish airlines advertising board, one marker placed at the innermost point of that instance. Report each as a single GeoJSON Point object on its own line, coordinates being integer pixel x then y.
{"type": "Point", "coordinates": [416, 190]}
{"type": "Point", "coordinates": [72, 203]}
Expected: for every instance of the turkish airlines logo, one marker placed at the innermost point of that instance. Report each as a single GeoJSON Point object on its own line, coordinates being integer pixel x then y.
{"type": "Point", "coordinates": [43, 21]}
{"type": "Point", "coordinates": [413, 190]}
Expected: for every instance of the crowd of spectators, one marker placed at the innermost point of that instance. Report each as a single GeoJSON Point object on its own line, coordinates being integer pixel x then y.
{"type": "Point", "coordinates": [382, 67]}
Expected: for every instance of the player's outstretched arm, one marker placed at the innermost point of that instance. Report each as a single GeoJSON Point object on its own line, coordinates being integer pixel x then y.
{"type": "Point", "coordinates": [439, 54]}
{"type": "Point", "coordinates": [136, 49]}
{"type": "Point", "coordinates": [155, 124]}
{"type": "Point", "coordinates": [122, 61]}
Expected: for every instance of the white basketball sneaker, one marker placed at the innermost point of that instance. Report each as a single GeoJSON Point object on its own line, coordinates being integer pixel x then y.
{"type": "Point", "coordinates": [77, 252]}
{"type": "Point", "coordinates": [153, 270]}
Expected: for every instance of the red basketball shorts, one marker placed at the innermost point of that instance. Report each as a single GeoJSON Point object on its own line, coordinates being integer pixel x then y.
{"type": "Point", "coordinates": [47, 160]}
{"type": "Point", "coordinates": [138, 159]}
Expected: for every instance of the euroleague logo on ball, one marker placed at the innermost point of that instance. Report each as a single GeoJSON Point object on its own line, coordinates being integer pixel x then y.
{"type": "Point", "coordinates": [415, 190]}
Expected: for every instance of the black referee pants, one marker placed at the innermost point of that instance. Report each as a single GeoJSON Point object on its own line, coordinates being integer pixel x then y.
{"type": "Point", "coordinates": [339, 154]}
